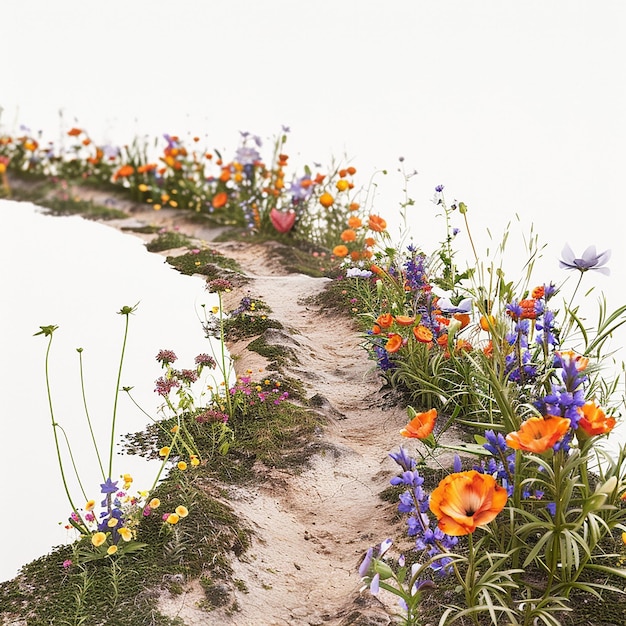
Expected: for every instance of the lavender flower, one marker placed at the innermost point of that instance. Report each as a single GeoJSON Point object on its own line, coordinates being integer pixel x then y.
{"type": "Point", "coordinates": [590, 260]}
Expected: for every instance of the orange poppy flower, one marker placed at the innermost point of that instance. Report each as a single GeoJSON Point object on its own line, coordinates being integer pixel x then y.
{"type": "Point", "coordinates": [377, 223]}
{"type": "Point", "coordinates": [319, 179]}
{"type": "Point", "coordinates": [394, 343]}
{"type": "Point", "coordinates": [423, 334]}
{"type": "Point", "coordinates": [421, 425]}
{"type": "Point", "coordinates": [466, 500]}
{"type": "Point", "coordinates": [219, 200]}
{"type": "Point", "coordinates": [74, 132]}
{"type": "Point", "coordinates": [351, 170]}
{"type": "Point", "coordinates": [355, 222]}
{"type": "Point", "coordinates": [538, 292]}
{"type": "Point", "coordinates": [340, 251]}
{"type": "Point", "coordinates": [348, 235]}
{"type": "Point", "coordinates": [342, 173]}
{"type": "Point", "coordinates": [385, 320]}
{"type": "Point", "coordinates": [376, 329]}
{"type": "Point", "coordinates": [464, 318]}
{"type": "Point", "coordinates": [594, 421]}
{"type": "Point", "coordinates": [225, 175]}
{"type": "Point", "coordinates": [538, 434]}
{"type": "Point", "coordinates": [123, 172]}
{"type": "Point", "coordinates": [369, 241]}
{"type": "Point", "coordinates": [404, 320]}
{"type": "Point", "coordinates": [326, 200]}
{"type": "Point", "coordinates": [442, 340]}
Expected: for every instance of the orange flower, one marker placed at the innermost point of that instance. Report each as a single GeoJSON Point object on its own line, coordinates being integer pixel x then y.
{"type": "Point", "coordinates": [377, 270]}
{"type": "Point", "coordinates": [487, 322]}
{"type": "Point", "coordinates": [219, 200]}
{"type": "Point", "coordinates": [225, 175]}
{"type": "Point", "coordinates": [354, 206]}
{"type": "Point", "coordinates": [569, 356]}
{"type": "Point", "coordinates": [348, 235]}
{"type": "Point", "coordinates": [340, 251]}
{"type": "Point", "coordinates": [123, 172]}
{"type": "Point", "coordinates": [351, 170]}
{"type": "Point", "coordinates": [377, 223]}
{"type": "Point", "coordinates": [404, 320]}
{"type": "Point", "coordinates": [342, 184]}
{"type": "Point", "coordinates": [421, 425]}
{"type": "Point", "coordinates": [423, 334]}
{"type": "Point", "coordinates": [464, 318]}
{"type": "Point", "coordinates": [538, 434]}
{"type": "Point", "coordinates": [466, 500]}
{"type": "Point", "coordinates": [394, 343]}
{"type": "Point", "coordinates": [355, 222]}
{"type": "Point", "coordinates": [385, 320]}
{"type": "Point", "coordinates": [538, 292]}
{"type": "Point", "coordinates": [369, 241]}
{"type": "Point", "coordinates": [326, 200]}
{"type": "Point", "coordinates": [375, 329]}
{"type": "Point", "coordinates": [74, 132]}
{"type": "Point", "coordinates": [594, 421]}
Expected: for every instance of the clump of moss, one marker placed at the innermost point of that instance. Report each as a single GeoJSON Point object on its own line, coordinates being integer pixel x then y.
{"type": "Point", "coordinates": [168, 240]}
{"type": "Point", "coordinates": [207, 262]}
{"type": "Point", "coordinates": [85, 208]}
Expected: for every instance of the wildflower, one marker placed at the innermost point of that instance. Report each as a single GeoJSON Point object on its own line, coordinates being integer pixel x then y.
{"type": "Point", "coordinates": [182, 466]}
{"type": "Point", "coordinates": [195, 461]}
{"type": "Point", "coordinates": [385, 320]}
{"type": "Point", "coordinates": [538, 434]}
{"type": "Point", "coordinates": [421, 425]}
{"type": "Point", "coordinates": [340, 251]}
{"type": "Point", "coordinates": [394, 343]}
{"type": "Point", "coordinates": [67, 563]}
{"type": "Point", "coordinates": [594, 421]}
{"type": "Point", "coordinates": [466, 500]}
{"type": "Point", "coordinates": [125, 533]}
{"type": "Point", "coordinates": [326, 200]}
{"type": "Point", "coordinates": [422, 334]}
{"type": "Point", "coordinates": [367, 562]}
{"type": "Point", "coordinates": [354, 222]}
{"type": "Point", "coordinates": [590, 260]}
{"type": "Point", "coordinates": [446, 305]}
{"type": "Point", "coordinates": [155, 503]}
{"type": "Point", "coordinates": [108, 486]}
{"type": "Point", "coordinates": [182, 511]}
{"type": "Point", "coordinates": [348, 235]}
{"type": "Point", "coordinates": [98, 539]}
{"type": "Point", "coordinates": [112, 550]}
{"type": "Point", "coordinates": [172, 518]}
{"type": "Point", "coordinates": [355, 272]}
{"type": "Point", "coordinates": [404, 320]}
{"type": "Point", "coordinates": [377, 223]}
{"type": "Point", "coordinates": [218, 285]}
{"type": "Point", "coordinates": [166, 357]}
{"type": "Point", "coordinates": [487, 322]}
{"type": "Point", "coordinates": [164, 451]}
{"type": "Point", "coordinates": [90, 505]}
{"type": "Point", "coordinates": [342, 185]}
{"type": "Point", "coordinates": [165, 385]}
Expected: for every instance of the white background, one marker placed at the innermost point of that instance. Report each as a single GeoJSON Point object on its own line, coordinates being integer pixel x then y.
{"type": "Point", "coordinates": [518, 108]}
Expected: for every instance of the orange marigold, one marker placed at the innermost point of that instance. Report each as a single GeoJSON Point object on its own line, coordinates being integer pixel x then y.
{"type": "Point", "coordinates": [377, 223]}
{"type": "Point", "coordinates": [326, 200]}
{"type": "Point", "coordinates": [355, 222]}
{"type": "Point", "coordinates": [348, 235]}
{"type": "Point", "coordinates": [404, 320]}
{"type": "Point", "coordinates": [466, 500]}
{"type": "Point", "coordinates": [340, 251]}
{"type": "Point", "coordinates": [538, 434]}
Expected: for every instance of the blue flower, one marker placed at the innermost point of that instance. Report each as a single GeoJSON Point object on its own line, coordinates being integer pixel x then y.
{"type": "Point", "coordinates": [108, 486]}
{"type": "Point", "coordinates": [590, 260]}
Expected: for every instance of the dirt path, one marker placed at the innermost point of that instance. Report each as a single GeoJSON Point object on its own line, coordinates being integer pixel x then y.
{"type": "Point", "coordinates": [311, 530]}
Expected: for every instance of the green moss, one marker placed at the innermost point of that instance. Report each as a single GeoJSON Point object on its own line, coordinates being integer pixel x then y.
{"type": "Point", "coordinates": [168, 241]}
{"type": "Point", "coordinates": [207, 262]}
{"type": "Point", "coordinates": [85, 208]}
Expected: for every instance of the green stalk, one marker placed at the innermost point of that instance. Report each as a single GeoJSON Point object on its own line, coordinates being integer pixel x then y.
{"type": "Point", "coordinates": [93, 437]}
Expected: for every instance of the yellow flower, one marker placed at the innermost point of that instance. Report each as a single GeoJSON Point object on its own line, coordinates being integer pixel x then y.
{"type": "Point", "coordinates": [143, 187]}
{"type": "Point", "coordinates": [215, 310]}
{"type": "Point", "coordinates": [157, 207]}
{"type": "Point", "coordinates": [342, 185]}
{"type": "Point", "coordinates": [164, 451]}
{"type": "Point", "coordinates": [172, 518]}
{"type": "Point", "coordinates": [182, 511]}
{"type": "Point", "coordinates": [125, 533]}
{"type": "Point", "coordinates": [195, 461]}
{"type": "Point", "coordinates": [155, 503]}
{"type": "Point", "coordinates": [98, 539]}
{"type": "Point", "coordinates": [112, 550]}
{"type": "Point", "coordinates": [112, 523]}
{"type": "Point", "coordinates": [182, 466]}
{"type": "Point", "coordinates": [174, 429]}
{"type": "Point", "coordinates": [90, 505]}
{"type": "Point", "coordinates": [326, 200]}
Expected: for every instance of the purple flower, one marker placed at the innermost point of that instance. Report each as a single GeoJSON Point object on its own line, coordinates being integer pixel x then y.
{"type": "Point", "coordinates": [590, 260]}
{"type": "Point", "coordinates": [165, 385]}
{"type": "Point", "coordinates": [439, 188]}
{"type": "Point", "coordinates": [205, 361]}
{"type": "Point", "coordinates": [108, 486]}
{"type": "Point", "coordinates": [366, 563]}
